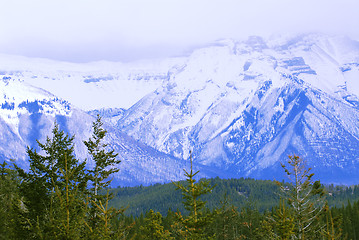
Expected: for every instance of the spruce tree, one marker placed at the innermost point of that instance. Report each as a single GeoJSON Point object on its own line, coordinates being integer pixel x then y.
{"type": "Point", "coordinates": [305, 199]}
{"type": "Point", "coordinates": [105, 161]}
{"type": "Point", "coordinates": [199, 217]}
{"type": "Point", "coordinates": [10, 202]}
{"type": "Point", "coordinates": [152, 228]}
{"type": "Point", "coordinates": [332, 230]}
{"type": "Point", "coordinates": [54, 189]}
{"type": "Point", "coordinates": [282, 222]}
{"type": "Point", "coordinates": [226, 221]}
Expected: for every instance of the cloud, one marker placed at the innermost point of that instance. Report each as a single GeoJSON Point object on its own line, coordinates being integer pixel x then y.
{"type": "Point", "coordinates": [85, 30]}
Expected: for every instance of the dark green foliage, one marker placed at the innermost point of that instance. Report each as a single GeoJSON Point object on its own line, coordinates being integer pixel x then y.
{"type": "Point", "coordinates": [10, 202]}
{"type": "Point", "coordinates": [161, 197]}
{"type": "Point", "coordinates": [105, 161]}
{"type": "Point", "coordinates": [349, 218]}
{"type": "Point", "coordinates": [305, 200]}
{"type": "Point", "coordinates": [53, 201]}
{"type": "Point", "coordinates": [199, 217]}
{"type": "Point", "coordinates": [249, 222]}
{"type": "Point", "coordinates": [229, 223]}
{"type": "Point", "coordinates": [54, 188]}
{"type": "Point", "coordinates": [282, 221]}
{"type": "Point", "coordinates": [333, 229]}
{"type": "Point", "coordinates": [340, 195]}
{"type": "Point", "coordinates": [238, 215]}
{"type": "Point", "coordinates": [99, 212]}
{"type": "Point", "coordinates": [152, 228]}
{"type": "Point", "coordinates": [59, 199]}
{"type": "Point", "coordinates": [263, 193]}
{"type": "Point", "coordinates": [67, 206]}
{"type": "Point", "coordinates": [225, 222]}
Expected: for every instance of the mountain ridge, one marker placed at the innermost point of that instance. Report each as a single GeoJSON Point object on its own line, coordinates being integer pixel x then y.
{"type": "Point", "coordinates": [241, 106]}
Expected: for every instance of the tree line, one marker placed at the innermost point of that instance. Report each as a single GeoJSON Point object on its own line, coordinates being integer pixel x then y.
{"type": "Point", "coordinates": [240, 192]}
{"type": "Point", "coordinates": [60, 198]}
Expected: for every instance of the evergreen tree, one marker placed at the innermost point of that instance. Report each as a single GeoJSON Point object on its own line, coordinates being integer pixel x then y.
{"type": "Point", "coordinates": [226, 220]}
{"type": "Point", "coordinates": [169, 219]}
{"type": "Point", "coordinates": [199, 217]}
{"type": "Point", "coordinates": [153, 228]}
{"type": "Point", "coordinates": [105, 161]}
{"type": "Point", "coordinates": [283, 220]}
{"type": "Point", "coordinates": [333, 230]}
{"type": "Point", "coordinates": [249, 221]}
{"type": "Point", "coordinates": [99, 214]}
{"type": "Point", "coordinates": [10, 203]}
{"type": "Point", "coordinates": [53, 189]}
{"type": "Point", "coordinates": [266, 229]}
{"type": "Point", "coordinates": [350, 225]}
{"type": "Point", "coordinates": [305, 199]}
{"type": "Point", "coordinates": [68, 205]}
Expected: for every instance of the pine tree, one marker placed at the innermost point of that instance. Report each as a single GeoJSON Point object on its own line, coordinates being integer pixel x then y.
{"type": "Point", "coordinates": [305, 199]}
{"type": "Point", "coordinates": [10, 202]}
{"type": "Point", "coordinates": [284, 225]}
{"type": "Point", "coordinates": [226, 220]}
{"type": "Point", "coordinates": [105, 161]}
{"type": "Point", "coordinates": [249, 220]}
{"type": "Point", "coordinates": [266, 229]}
{"type": "Point", "coordinates": [153, 228]}
{"type": "Point", "coordinates": [99, 214]}
{"type": "Point", "coordinates": [54, 189]}
{"type": "Point", "coordinates": [199, 218]}
{"type": "Point", "coordinates": [333, 230]}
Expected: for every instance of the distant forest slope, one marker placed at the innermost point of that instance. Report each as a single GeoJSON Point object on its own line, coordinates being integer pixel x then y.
{"type": "Point", "coordinates": [241, 193]}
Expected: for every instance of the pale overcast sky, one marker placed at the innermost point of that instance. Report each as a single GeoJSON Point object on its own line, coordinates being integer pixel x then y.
{"type": "Point", "coordinates": [124, 30]}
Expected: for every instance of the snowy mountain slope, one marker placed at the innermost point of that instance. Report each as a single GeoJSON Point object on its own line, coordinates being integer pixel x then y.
{"type": "Point", "coordinates": [28, 114]}
{"type": "Point", "coordinates": [300, 124]}
{"type": "Point", "coordinates": [241, 106]}
{"type": "Point", "coordinates": [142, 164]}
{"type": "Point", "coordinates": [245, 106]}
{"type": "Point", "coordinates": [92, 85]}
{"type": "Point", "coordinates": [22, 108]}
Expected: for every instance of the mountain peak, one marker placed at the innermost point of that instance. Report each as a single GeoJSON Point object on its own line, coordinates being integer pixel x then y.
{"type": "Point", "coordinates": [241, 106]}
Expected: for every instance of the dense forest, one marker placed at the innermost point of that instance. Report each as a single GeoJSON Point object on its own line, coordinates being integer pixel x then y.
{"type": "Point", "coordinates": [240, 192]}
{"type": "Point", "coordinates": [59, 198]}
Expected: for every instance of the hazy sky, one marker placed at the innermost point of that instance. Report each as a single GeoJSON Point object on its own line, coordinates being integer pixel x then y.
{"type": "Point", "coordinates": [123, 30]}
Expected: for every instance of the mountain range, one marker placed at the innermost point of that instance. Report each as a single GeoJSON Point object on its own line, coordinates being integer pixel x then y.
{"type": "Point", "coordinates": [241, 106]}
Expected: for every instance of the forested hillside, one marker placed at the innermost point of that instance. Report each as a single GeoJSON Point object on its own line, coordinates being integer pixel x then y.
{"type": "Point", "coordinates": [244, 192]}
{"type": "Point", "coordinates": [60, 198]}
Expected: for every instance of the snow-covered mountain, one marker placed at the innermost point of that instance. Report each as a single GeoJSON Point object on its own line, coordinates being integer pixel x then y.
{"type": "Point", "coordinates": [242, 106]}
{"type": "Point", "coordinates": [92, 85]}
{"type": "Point", "coordinates": [28, 114]}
